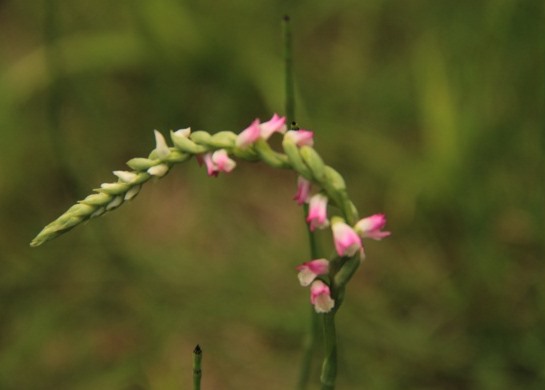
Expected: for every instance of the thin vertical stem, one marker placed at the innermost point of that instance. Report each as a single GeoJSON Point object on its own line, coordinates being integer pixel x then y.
{"type": "Point", "coordinates": [329, 366]}
{"type": "Point", "coordinates": [288, 62]}
{"type": "Point", "coordinates": [309, 349]}
{"type": "Point", "coordinates": [309, 344]}
{"type": "Point", "coordinates": [197, 372]}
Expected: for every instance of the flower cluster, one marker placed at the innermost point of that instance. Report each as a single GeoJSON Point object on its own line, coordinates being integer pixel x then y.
{"type": "Point", "coordinates": [217, 152]}
{"type": "Point", "coordinates": [347, 240]}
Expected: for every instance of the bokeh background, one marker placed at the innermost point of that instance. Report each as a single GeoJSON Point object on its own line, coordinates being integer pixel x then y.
{"type": "Point", "coordinates": [434, 112]}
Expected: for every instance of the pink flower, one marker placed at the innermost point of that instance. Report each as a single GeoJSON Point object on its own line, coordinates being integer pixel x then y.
{"type": "Point", "coordinates": [222, 161]}
{"type": "Point", "coordinates": [303, 190]}
{"type": "Point", "coordinates": [300, 137]}
{"type": "Point", "coordinates": [210, 168]}
{"type": "Point", "coordinates": [249, 135]}
{"type": "Point", "coordinates": [320, 297]}
{"type": "Point", "coordinates": [309, 270]}
{"type": "Point", "coordinates": [217, 162]}
{"type": "Point", "coordinates": [275, 124]}
{"type": "Point", "coordinates": [256, 130]}
{"type": "Point", "coordinates": [317, 213]}
{"type": "Point", "coordinates": [371, 227]}
{"type": "Point", "coordinates": [347, 241]}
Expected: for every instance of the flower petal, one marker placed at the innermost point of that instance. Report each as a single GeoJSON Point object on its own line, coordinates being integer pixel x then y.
{"type": "Point", "coordinates": [249, 135]}
{"type": "Point", "coordinates": [320, 297]}
{"type": "Point", "coordinates": [347, 241]}
{"type": "Point", "coordinates": [372, 226]}
{"type": "Point", "coordinates": [275, 124]}
{"type": "Point", "coordinates": [311, 269]}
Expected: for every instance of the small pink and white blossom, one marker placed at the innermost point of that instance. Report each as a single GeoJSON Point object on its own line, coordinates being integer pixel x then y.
{"type": "Point", "coordinates": [249, 135]}
{"type": "Point", "coordinates": [372, 226]}
{"type": "Point", "coordinates": [222, 161]}
{"type": "Point", "coordinates": [257, 130]}
{"type": "Point", "coordinates": [317, 212]}
{"type": "Point", "coordinates": [210, 167]}
{"type": "Point", "coordinates": [277, 124]}
{"type": "Point", "coordinates": [311, 269]}
{"type": "Point", "coordinates": [320, 297]}
{"type": "Point", "coordinates": [217, 162]}
{"type": "Point", "coordinates": [300, 137]}
{"type": "Point", "coordinates": [347, 241]}
{"type": "Point", "coordinates": [303, 190]}
{"type": "Point", "coordinates": [161, 147]}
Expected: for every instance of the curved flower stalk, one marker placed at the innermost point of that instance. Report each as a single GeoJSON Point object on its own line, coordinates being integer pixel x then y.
{"type": "Point", "coordinates": [219, 152]}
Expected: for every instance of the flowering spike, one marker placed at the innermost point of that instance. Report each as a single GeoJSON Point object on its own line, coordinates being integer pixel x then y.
{"type": "Point", "coordinates": [303, 189]}
{"type": "Point", "coordinates": [320, 297]}
{"type": "Point", "coordinates": [311, 269]}
{"type": "Point", "coordinates": [371, 227]}
{"type": "Point", "coordinates": [317, 214]}
{"type": "Point", "coordinates": [347, 241]}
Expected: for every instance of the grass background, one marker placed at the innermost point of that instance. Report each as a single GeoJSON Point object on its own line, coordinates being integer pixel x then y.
{"type": "Point", "coordinates": [432, 110]}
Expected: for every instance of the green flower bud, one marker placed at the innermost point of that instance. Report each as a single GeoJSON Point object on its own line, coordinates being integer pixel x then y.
{"type": "Point", "coordinates": [141, 164]}
{"type": "Point", "coordinates": [223, 140]}
{"type": "Point", "coordinates": [334, 179]}
{"type": "Point", "coordinates": [314, 162]}
{"type": "Point", "coordinates": [99, 199]}
{"type": "Point", "coordinates": [269, 156]}
{"type": "Point", "coordinates": [80, 210]}
{"type": "Point", "coordinates": [292, 151]}
{"type": "Point", "coordinates": [185, 144]}
{"type": "Point", "coordinates": [201, 137]}
{"type": "Point", "coordinates": [177, 156]}
{"type": "Point", "coordinates": [114, 188]}
{"type": "Point", "coordinates": [115, 203]}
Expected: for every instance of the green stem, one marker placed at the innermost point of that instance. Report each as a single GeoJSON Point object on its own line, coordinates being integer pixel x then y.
{"type": "Point", "coordinates": [329, 366]}
{"type": "Point", "coordinates": [288, 60]}
{"type": "Point", "coordinates": [309, 349]}
{"type": "Point", "coordinates": [309, 344]}
{"type": "Point", "coordinates": [197, 372]}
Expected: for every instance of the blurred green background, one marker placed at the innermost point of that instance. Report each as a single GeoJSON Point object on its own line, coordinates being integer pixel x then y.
{"type": "Point", "coordinates": [434, 112]}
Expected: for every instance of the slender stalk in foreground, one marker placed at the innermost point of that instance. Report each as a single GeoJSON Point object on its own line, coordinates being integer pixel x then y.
{"type": "Point", "coordinates": [197, 372]}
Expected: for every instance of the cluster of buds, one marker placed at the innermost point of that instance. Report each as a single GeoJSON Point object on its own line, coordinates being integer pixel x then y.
{"type": "Point", "coordinates": [218, 153]}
